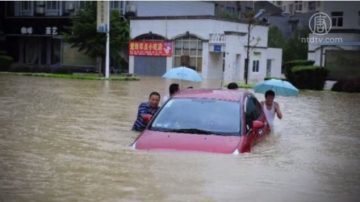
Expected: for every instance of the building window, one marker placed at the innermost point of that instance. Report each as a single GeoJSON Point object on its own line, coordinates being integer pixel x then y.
{"type": "Point", "coordinates": [52, 7]}
{"type": "Point", "coordinates": [311, 5]}
{"type": "Point", "coordinates": [116, 5]}
{"type": "Point", "coordinates": [255, 66]}
{"type": "Point", "coordinates": [188, 52]}
{"type": "Point", "coordinates": [248, 8]}
{"type": "Point", "coordinates": [253, 111]}
{"type": "Point", "coordinates": [68, 7]}
{"type": "Point", "coordinates": [83, 4]}
{"type": "Point", "coordinates": [337, 19]}
{"type": "Point", "coordinates": [298, 5]}
{"type": "Point", "coordinates": [26, 5]}
{"type": "Point", "coordinates": [25, 8]}
{"type": "Point", "coordinates": [291, 10]}
{"type": "Point", "coordinates": [230, 10]}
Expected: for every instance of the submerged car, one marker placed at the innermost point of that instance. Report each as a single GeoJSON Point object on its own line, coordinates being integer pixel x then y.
{"type": "Point", "coordinates": [206, 120]}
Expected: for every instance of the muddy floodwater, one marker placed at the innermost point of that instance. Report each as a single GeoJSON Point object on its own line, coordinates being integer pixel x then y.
{"type": "Point", "coordinates": [68, 140]}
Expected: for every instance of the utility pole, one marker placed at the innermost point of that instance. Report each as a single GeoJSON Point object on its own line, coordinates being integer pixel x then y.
{"type": "Point", "coordinates": [247, 53]}
{"type": "Point", "coordinates": [103, 26]}
{"type": "Point", "coordinates": [251, 19]}
{"type": "Point", "coordinates": [107, 55]}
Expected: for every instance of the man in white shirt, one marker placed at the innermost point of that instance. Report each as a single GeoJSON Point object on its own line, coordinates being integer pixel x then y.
{"type": "Point", "coordinates": [271, 108]}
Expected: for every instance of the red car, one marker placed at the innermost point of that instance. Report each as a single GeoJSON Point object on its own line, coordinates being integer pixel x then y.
{"type": "Point", "coordinates": [207, 120]}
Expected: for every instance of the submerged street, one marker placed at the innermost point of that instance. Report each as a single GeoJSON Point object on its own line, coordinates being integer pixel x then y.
{"type": "Point", "coordinates": [68, 140]}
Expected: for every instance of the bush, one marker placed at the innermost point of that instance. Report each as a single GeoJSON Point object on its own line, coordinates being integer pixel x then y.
{"type": "Point", "coordinates": [308, 77]}
{"type": "Point", "coordinates": [71, 69]}
{"type": "Point", "coordinates": [278, 78]}
{"type": "Point", "coordinates": [289, 65]}
{"type": "Point", "coordinates": [350, 86]}
{"type": "Point", "coordinates": [5, 62]}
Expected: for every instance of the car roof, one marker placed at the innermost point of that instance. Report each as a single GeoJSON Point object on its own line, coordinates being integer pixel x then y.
{"type": "Point", "coordinates": [218, 94]}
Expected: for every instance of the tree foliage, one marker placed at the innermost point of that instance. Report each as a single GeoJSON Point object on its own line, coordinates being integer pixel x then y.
{"type": "Point", "coordinates": [276, 39]}
{"type": "Point", "coordinates": [84, 36]}
{"type": "Point", "coordinates": [293, 48]}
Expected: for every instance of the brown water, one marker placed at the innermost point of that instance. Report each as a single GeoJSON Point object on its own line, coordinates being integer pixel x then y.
{"type": "Point", "coordinates": [68, 140]}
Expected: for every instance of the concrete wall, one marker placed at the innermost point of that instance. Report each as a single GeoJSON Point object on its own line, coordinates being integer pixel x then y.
{"type": "Point", "coordinates": [173, 28]}
{"type": "Point", "coordinates": [350, 22]}
{"type": "Point", "coordinates": [275, 54]}
{"type": "Point", "coordinates": [235, 47]}
{"type": "Point", "coordinates": [314, 47]}
{"type": "Point", "coordinates": [232, 48]}
{"type": "Point", "coordinates": [215, 65]}
{"type": "Point", "coordinates": [257, 76]}
{"type": "Point", "coordinates": [173, 8]}
{"type": "Point", "coordinates": [350, 11]}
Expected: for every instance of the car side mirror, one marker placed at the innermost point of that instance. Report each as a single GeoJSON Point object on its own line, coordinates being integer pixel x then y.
{"type": "Point", "coordinates": [256, 125]}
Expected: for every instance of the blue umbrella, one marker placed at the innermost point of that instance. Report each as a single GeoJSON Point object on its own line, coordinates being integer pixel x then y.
{"type": "Point", "coordinates": [183, 73]}
{"type": "Point", "coordinates": [280, 87]}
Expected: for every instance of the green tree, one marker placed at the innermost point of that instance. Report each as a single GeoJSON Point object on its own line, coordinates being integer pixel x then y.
{"type": "Point", "coordinates": [84, 36]}
{"type": "Point", "coordinates": [275, 38]}
{"type": "Point", "coordinates": [294, 49]}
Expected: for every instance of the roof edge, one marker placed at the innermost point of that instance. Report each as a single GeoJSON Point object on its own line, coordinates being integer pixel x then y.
{"type": "Point", "coordinates": [197, 17]}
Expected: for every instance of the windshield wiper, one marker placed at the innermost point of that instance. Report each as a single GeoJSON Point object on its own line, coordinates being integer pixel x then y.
{"type": "Point", "coordinates": [190, 130]}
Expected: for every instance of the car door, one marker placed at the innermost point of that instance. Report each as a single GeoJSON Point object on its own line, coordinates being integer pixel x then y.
{"type": "Point", "coordinates": [253, 111]}
{"type": "Point", "coordinates": [260, 134]}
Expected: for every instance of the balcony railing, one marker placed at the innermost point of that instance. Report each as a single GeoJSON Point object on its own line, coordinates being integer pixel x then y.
{"type": "Point", "coordinates": [51, 8]}
{"type": "Point", "coordinates": [41, 8]}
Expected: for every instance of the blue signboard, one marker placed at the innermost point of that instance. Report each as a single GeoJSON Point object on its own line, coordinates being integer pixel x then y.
{"type": "Point", "coordinates": [217, 48]}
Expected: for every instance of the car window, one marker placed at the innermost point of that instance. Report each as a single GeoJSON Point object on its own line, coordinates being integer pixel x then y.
{"type": "Point", "coordinates": [199, 116]}
{"type": "Point", "coordinates": [253, 111]}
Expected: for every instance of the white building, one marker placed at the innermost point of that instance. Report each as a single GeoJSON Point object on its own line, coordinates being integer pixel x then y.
{"type": "Point", "coordinates": [338, 50]}
{"type": "Point", "coordinates": [214, 47]}
{"type": "Point", "coordinates": [293, 7]}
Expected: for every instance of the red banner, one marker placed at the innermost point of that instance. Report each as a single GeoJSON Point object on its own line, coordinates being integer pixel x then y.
{"type": "Point", "coordinates": [151, 48]}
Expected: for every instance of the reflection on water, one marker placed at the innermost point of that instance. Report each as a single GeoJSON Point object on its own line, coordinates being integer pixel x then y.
{"type": "Point", "coordinates": [67, 140]}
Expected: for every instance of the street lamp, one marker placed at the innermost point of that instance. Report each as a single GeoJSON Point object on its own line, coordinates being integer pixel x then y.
{"type": "Point", "coordinates": [251, 20]}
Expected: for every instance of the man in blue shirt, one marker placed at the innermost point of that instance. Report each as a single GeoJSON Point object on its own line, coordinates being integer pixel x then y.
{"type": "Point", "coordinates": [146, 109]}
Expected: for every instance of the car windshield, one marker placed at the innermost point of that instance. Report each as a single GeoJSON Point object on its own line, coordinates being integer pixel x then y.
{"type": "Point", "coordinates": [199, 116]}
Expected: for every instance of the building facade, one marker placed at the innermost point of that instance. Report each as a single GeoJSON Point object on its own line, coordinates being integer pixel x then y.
{"type": "Point", "coordinates": [287, 22]}
{"type": "Point", "coordinates": [213, 46]}
{"type": "Point", "coordinates": [292, 7]}
{"type": "Point", "coordinates": [197, 34]}
{"type": "Point", "coordinates": [339, 49]}
{"type": "Point", "coordinates": [33, 33]}
{"type": "Point", "coordinates": [201, 45]}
